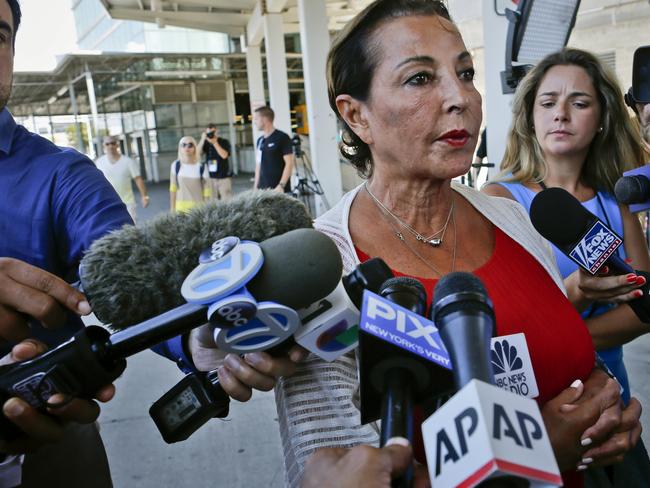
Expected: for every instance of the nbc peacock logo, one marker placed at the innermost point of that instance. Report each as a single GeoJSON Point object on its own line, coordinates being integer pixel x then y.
{"type": "Point", "coordinates": [505, 358]}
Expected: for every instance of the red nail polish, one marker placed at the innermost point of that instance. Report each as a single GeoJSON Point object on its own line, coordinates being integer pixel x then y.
{"type": "Point", "coordinates": [628, 260]}
{"type": "Point", "coordinates": [637, 293]}
{"type": "Point", "coordinates": [640, 280]}
{"type": "Point", "coordinates": [604, 270]}
{"type": "Point", "coordinates": [631, 278]}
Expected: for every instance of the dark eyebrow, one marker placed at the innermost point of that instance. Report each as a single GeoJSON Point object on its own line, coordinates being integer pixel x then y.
{"type": "Point", "coordinates": [429, 60]}
{"type": "Point", "coordinates": [5, 26]}
{"type": "Point", "coordinates": [571, 95]}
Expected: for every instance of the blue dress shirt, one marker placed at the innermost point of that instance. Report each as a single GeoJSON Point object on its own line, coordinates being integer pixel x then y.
{"type": "Point", "coordinates": [54, 203]}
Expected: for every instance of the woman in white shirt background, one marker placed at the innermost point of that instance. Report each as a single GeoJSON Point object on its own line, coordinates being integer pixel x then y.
{"type": "Point", "coordinates": [187, 178]}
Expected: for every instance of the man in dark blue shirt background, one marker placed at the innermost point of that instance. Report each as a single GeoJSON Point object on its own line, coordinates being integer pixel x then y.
{"type": "Point", "coordinates": [54, 203]}
{"type": "Point", "coordinates": [274, 168]}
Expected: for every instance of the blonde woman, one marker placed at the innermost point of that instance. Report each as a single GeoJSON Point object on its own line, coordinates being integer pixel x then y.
{"type": "Point", "coordinates": [571, 130]}
{"type": "Point", "coordinates": [187, 179]}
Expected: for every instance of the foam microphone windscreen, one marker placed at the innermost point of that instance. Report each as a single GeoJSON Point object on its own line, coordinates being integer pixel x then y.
{"type": "Point", "coordinates": [559, 217]}
{"type": "Point", "coordinates": [632, 189]}
{"type": "Point", "coordinates": [136, 273]}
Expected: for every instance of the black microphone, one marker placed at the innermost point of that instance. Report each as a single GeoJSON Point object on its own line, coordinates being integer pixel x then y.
{"type": "Point", "coordinates": [560, 218]}
{"type": "Point", "coordinates": [307, 267]}
{"type": "Point", "coordinates": [633, 189]}
{"type": "Point", "coordinates": [464, 316]}
{"type": "Point", "coordinates": [482, 432]}
{"type": "Point", "coordinates": [402, 359]}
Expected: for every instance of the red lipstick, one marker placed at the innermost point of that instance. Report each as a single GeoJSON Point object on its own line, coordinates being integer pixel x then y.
{"type": "Point", "coordinates": [455, 138]}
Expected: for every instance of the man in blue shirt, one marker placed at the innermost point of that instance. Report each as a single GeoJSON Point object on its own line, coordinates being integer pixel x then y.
{"type": "Point", "coordinates": [54, 203]}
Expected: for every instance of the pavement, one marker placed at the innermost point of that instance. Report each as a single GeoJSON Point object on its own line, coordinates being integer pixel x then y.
{"type": "Point", "coordinates": [241, 451]}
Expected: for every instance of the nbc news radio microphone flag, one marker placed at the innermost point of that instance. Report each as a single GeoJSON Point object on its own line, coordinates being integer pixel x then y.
{"type": "Point", "coordinates": [482, 431]}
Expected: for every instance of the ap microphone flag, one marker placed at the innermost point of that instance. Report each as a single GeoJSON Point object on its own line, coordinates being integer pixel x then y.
{"type": "Point", "coordinates": [484, 431]}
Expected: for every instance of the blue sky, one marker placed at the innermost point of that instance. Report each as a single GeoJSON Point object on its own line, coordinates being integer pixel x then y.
{"type": "Point", "coordinates": [47, 29]}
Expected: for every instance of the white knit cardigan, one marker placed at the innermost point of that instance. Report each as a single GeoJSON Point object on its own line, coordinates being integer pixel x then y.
{"type": "Point", "coordinates": [315, 405]}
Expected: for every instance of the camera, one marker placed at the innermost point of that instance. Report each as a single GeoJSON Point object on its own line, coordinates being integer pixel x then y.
{"type": "Point", "coordinates": [210, 135]}
{"type": "Point", "coordinates": [295, 144]}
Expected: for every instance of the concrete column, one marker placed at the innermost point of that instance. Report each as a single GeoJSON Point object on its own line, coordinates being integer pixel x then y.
{"type": "Point", "coordinates": [314, 38]}
{"type": "Point", "coordinates": [92, 100]}
{"type": "Point", "coordinates": [75, 111]}
{"type": "Point", "coordinates": [276, 70]}
{"type": "Point", "coordinates": [255, 84]}
{"type": "Point", "coordinates": [495, 29]}
{"type": "Point", "coordinates": [230, 103]}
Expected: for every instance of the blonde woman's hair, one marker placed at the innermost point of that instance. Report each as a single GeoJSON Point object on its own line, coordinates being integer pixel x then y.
{"type": "Point", "coordinates": [181, 156]}
{"type": "Point", "coordinates": [614, 149]}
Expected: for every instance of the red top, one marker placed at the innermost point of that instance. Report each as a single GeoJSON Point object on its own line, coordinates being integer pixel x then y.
{"type": "Point", "coordinates": [526, 299]}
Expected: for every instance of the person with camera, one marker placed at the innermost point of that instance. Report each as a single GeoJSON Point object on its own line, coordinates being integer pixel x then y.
{"type": "Point", "coordinates": [638, 96]}
{"type": "Point", "coordinates": [275, 163]}
{"type": "Point", "coordinates": [216, 151]}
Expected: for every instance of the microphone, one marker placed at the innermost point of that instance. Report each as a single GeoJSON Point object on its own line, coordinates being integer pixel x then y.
{"type": "Point", "coordinates": [311, 268]}
{"type": "Point", "coordinates": [633, 189]}
{"type": "Point", "coordinates": [402, 359]}
{"type": "Point", "coordinates": [136, 273]}
{"type": "Point", "coordinates": [464, 316]}
{"type": "Point", "coordinates": [561, 219]}
{"type": "Point", "coordinates": [483, 431]}
{"type": "Point", "coordinates": [330, 327]}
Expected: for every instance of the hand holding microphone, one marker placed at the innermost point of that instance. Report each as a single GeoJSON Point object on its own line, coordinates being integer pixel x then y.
{"type": "Point", "coordinates": [560, 218]}
{"type": "Point", "coordinates": [38, 428]}
{"type": "Point", "coordinates": [26, 290]}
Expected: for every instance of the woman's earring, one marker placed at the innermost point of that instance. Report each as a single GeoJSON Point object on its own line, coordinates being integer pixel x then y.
{"type": "Point", "coordinates": [600, 129]}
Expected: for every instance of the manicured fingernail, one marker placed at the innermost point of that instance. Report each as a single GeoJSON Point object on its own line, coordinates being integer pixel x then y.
{"type": "Point", "coordinates": [637, 293]}
{"type": "Point", "coordinates": [398, 441]}
{"type": "Point", "coordinates": [604, 269]}
{"type": "Point", "coordinates": [14, 408]}
{"type": "Point", "coordinates": [83, 307]}
{"type": "Point", "coordinates": [253, 358]}
{"type": "Point", "coordinates": [576, 384]}
{"type": "Point", "coordinates": [640, 280]}
{"type": "Point", "coordinates": [628, 260]}
{"type": "Point", "coordinates": [631, 278]}
{"type": "Point", "coordinates": [581, 467]}
{"type": "Point", "coordinates": [586, 441]}
{"type": "Point", "coordinates": [587, 460]}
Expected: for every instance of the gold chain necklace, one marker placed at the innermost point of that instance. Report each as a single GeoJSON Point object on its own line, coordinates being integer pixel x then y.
{"type": "Point", "coordinates": [400, 236]}
{"type": "Point", "coordinates": [433, 240]}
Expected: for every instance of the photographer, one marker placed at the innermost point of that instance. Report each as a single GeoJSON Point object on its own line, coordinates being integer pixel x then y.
{"type": "Point", "coordinates": [216, 150]}
{"type": "Point", "coordinates": [275, 164]}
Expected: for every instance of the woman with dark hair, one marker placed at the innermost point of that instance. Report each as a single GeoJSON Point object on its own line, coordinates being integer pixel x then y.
{"type": "Point", "coordinates": [571, 130]}
{"type": "Point", "coordinates": [401, 82]}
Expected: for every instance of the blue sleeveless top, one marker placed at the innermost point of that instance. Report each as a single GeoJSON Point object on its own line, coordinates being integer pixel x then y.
{"type": "Point", "coordinates": [606, 210]}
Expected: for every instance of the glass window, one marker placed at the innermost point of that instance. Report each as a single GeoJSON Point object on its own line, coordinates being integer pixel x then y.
{"type": "Point", "coordinates": [167, 115]}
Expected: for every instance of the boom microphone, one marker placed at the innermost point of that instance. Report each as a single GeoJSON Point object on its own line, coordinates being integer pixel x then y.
{"type": "Point", "coordinates": [136, 273]}
{"type": "Point", "coordinates": [583, 237]}
{"type": "Point", "coordinates": [482, 431]}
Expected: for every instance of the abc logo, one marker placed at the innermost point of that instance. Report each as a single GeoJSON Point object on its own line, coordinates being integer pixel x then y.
{"type": "Point", "coordinates": [233, 314]}
{"type": "Point", "coordinates": [218, 249]}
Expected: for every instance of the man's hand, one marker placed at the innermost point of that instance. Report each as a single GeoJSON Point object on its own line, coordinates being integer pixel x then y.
{"type": "Point", "coordinates": [239, 376]}
{"type": "Point", "coordinates": [359, 467]}
{"type": "Point", "coordinates": [26, 290]}
{"type": "Point", "coordinates": [39, 428]}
